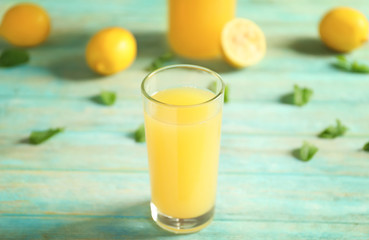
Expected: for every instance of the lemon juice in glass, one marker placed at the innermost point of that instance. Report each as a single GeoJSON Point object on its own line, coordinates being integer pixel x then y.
{"type": "Point", "coordinates": [183, 122]}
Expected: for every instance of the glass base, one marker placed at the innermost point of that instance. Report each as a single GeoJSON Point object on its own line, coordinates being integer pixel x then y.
{"type": "Point", "coordinates": [181, 225]}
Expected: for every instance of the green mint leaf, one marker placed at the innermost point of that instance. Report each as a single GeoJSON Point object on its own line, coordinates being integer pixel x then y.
{"type": "Point", "coordinates": [213, 87]}
{"type": "Point", "coordinates": [344, 64]}
{"type": "Point", "coordinates": [12, 57]}
{"type": "Point", "coordinates": [301, 96]}
{"type": "Point", "coordinates": [38, 137]}
{"type": "Point", "coordinates": [341, 58]}
{"type": "Point", "coordinates": [334, 131]}
{"type": "Point", "coordinates": [359, 68]}
{"type": "Point", "coordinates": [139, 134]}
{"type": "Point", "coordinates": [307, 151]}
{"type": "Point", "coordinates": [160, 61]}
{"type": "Point", "coordinates": [366, 147]}
{"type": "Point", "coordinates": [226, 93]}
{"type": "Point", "coordinates": [166, 56]}
{"type": "Point", "coordinates": [107, 98]}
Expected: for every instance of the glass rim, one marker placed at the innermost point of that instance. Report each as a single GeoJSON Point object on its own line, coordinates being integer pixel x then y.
{"type": "Point", "coordinates": [190, 66]}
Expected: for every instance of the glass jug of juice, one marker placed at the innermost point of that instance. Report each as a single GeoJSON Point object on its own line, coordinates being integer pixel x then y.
{"type": "Point", "coordinates": [195, 26]}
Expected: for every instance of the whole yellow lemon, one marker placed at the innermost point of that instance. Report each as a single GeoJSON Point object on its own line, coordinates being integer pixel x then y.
{"type": "Point", "coordinates": [344, 29]}
{"type": "Point", "coordinates": [111, 50]}
{"type": "Point", "coordinates": [25, 25]}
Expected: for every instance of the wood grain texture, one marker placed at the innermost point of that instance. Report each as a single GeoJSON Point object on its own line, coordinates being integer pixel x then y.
{"type": "Point", "coordinates": [91, 182]}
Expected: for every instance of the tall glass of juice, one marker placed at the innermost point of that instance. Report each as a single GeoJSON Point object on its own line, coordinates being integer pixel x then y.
{"type": "Point", "coordinates": [183, 114]}
{"type": "Point", "coordinates": [195, 26]}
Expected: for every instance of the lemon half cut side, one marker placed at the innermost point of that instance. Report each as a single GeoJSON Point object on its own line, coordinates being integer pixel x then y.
{"type": "Point", "coordinates": [243, 43]}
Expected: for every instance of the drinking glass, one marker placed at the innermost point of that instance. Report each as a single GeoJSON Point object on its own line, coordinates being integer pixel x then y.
{"type": "Point", "coordinates": [183, 114]}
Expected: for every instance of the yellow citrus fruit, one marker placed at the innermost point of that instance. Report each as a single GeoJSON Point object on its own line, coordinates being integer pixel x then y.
{"type": "Point", "coordinates": [243, 43]}
{"type": "Point", "coordinates": [111, 50]}
{"type": "Point", "coordinates": [344, 29]}
{"type": "Point", "coordinates": [25, 25]}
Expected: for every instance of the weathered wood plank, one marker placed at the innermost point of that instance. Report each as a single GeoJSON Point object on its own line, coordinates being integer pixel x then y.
{"type": "Point", "coordinates": [259, 197]}
{"type": "Point", "coordinates": [24, 115]}
{"type": "Point", "coordinates": [246, 85]}
{"type": "Point", "coordinates": [111, 227]}
{"type": "Point", "coordinates": [250, 154]}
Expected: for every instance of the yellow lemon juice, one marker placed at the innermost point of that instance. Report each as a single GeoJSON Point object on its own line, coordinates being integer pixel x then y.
{"type": "Point", "coordinates": [195, 26]}
{"type": "Point", "coordinates": [183, 134]}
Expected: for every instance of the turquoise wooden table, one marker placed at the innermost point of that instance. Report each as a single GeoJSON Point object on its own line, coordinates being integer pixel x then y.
{"type": "Point", "coordinates": [92, 182]}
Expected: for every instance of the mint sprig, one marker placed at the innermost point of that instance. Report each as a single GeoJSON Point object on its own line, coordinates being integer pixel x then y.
{"type": "Point", "coordinates": [139, 134]}
{"type": "Point", "coordinates": [301, 95]}
{"type": "Point", "coordinates": [366, 147]}
{"type": "Point", "coordinates": [307, 151]}
{"type": "Point", "coordinates": [13, 56]}
{"type": "Point", "coordinates": [160, 61]}
{"type": "Point", "coordinates": [213, 87]}
{"type": "Point", "coordinates": [226, 93]}
{"type": "Point", "coordinates": [106, 98]}
{"type": "Point", "coordinates": [334, 131]}
{"type": "Point", "coordinates": [38, 137]}
{"type": "Point", "coordinates": [344, 64]}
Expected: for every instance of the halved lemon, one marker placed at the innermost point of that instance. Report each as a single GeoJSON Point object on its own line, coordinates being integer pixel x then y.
{"type": "Point", "coordinates": [243, 43]}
